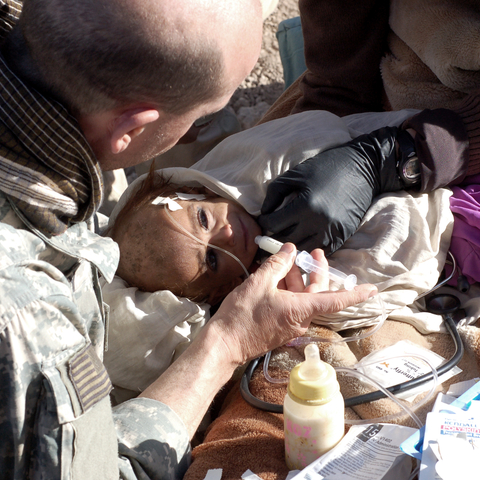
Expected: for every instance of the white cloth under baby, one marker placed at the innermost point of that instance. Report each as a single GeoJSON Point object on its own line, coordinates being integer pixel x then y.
{"type": "Point", "coordinates": [147, 332]}
{"type": "Point", "coordinates": [401, 244]}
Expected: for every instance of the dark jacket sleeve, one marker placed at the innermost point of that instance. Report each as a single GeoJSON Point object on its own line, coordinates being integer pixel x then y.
{"type": "Point", "coordinates": [442, 147]}
{"type": "Point", "coordinates": [448, 143]}
{"type": "Point", "coordinates": [344, 42]}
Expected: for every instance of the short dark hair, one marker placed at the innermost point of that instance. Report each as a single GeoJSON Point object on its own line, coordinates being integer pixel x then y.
{"type": "Point", "coordinates": [96, 55]}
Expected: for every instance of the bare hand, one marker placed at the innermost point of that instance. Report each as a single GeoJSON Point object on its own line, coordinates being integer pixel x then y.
{"type": "Point", "coordinates": [273, 306]}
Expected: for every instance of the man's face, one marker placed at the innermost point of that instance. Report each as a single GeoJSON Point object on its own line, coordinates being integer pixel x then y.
{"type": "Point", "coordinates": [156, 138]}
{"type": "Point", "coordinates": [162, 134]}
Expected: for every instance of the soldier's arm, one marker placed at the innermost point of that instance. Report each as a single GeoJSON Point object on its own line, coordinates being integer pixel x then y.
{"type": "Point", "coordinates": [255, 318]}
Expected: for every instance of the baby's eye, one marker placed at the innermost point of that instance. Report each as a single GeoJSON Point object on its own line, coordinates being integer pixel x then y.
{"type": "Point", "coordinates": [202, 218]}
{"type": "Point", "coordinates": [211, 259]}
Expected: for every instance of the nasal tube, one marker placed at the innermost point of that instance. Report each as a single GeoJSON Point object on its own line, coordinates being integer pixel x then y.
{"type": "Point", "coordinates": [307, 263]}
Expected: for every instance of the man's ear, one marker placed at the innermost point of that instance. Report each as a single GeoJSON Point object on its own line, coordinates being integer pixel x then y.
{"type": "Point", "coordinates": [219, 293]}
{"type": "Point", "coordinates": [130, 124]}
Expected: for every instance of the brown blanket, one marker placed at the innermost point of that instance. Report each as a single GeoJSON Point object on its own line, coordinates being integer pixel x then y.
{"type": "Point", "coordinates": [243, 437]}
{"type": "Point", "coordinates": [434, 57]}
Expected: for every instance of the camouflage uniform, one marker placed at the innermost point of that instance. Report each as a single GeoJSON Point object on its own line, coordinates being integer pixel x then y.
{"type": "Point", "coordinates": [56, 420]}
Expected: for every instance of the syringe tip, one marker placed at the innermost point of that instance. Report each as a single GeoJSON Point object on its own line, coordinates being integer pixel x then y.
{"type": "Point", "coordinates": [350, 282]}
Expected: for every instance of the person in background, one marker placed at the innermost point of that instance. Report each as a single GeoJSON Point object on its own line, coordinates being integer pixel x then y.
{"type": "Point", "coordinates": [343, 55]}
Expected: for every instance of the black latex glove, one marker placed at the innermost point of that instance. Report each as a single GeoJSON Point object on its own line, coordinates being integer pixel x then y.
{"type": "Point", "coordinates": [335, 189]}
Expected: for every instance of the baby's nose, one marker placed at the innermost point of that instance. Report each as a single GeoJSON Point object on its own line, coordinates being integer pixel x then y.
{"type": "Point", "coordinates": [225, 236]}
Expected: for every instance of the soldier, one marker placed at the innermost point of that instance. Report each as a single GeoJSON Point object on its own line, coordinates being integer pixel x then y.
{"type": "Point", "coordinates": [104, 84]}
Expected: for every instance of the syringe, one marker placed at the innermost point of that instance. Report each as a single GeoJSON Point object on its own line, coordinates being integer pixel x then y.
{"type": "Point", "coordinates": [307, 263]}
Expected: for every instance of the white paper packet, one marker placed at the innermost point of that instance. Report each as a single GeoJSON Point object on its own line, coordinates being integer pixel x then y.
{"type": "Point", "coordinates": [387, 370]}
{"type": "Point", "coordinates": [367, 452]}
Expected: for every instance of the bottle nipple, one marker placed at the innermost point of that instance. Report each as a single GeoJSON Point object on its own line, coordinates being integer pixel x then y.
{"type": "Point", "coordinates": [312, 368]}
{"type": "Point", "coordinates": [313, 381]}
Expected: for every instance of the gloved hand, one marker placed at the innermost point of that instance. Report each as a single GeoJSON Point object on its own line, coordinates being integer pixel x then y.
{"type": "Point", "coordinates": [334, 190]}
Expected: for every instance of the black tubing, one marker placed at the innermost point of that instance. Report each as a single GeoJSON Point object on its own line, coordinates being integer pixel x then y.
{"type": "Point", "coordinates": [247, 395]}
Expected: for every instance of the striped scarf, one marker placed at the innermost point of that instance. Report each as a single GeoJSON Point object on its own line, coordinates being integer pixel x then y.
{"type": "Point", "coordinates": [47, 167]}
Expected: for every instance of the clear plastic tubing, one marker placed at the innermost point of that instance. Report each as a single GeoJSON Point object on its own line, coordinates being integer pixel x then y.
{"type": "Point", "coordinates": [307, 263]}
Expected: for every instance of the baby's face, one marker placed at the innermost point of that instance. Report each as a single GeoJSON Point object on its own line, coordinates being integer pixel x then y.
{"type": "Point", "coordinates": [219, 222]}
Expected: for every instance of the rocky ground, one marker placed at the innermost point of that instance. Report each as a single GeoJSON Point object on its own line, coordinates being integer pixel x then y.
{"type": "Point", "coordinates": [265, 83]}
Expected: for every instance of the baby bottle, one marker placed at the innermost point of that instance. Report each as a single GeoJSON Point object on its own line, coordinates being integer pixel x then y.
{"type": "Point", "coordinates": [313, 411]}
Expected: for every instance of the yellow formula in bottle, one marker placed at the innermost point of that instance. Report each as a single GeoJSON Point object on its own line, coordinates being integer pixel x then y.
{"type": "Point", "coordinates": [313, 411]}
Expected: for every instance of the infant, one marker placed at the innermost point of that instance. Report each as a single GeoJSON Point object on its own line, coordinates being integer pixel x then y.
{"type": "Point", "coordinates": [182, 250]}
{"type": "Point", "coordinates": [189, 241]}
{"type": "Point", "coordinates": [151, 322]}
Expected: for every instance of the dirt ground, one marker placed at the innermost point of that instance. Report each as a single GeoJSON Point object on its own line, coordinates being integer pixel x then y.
{"type": "Point", "coordinates": [265, 83]}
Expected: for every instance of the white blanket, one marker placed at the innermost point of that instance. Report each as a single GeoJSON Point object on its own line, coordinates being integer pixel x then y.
{"type": "Point", "coordinates": [400, 246]}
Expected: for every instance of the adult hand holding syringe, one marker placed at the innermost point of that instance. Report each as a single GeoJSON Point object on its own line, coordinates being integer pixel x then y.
{"type": "Point", "coordinates": [308, 264]}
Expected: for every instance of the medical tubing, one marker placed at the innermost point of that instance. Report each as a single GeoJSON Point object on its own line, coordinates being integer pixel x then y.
{"type": "Point", "coordinates": [275, 408]}
{"type": "Point", "coordinates": [270, 379]}
{"type": "Point", "coordinates": [386, 418]}
{"type": "Point", "coordinates": [372, 396]}
{"type": "Point", "coordinates": [444, 281]}
{"type": "Point", "coordinates": [191, 235]}
{"type": "Point", "coordinates": [402, 387]}
{"type": "Point", "coordinates": [307, 263]}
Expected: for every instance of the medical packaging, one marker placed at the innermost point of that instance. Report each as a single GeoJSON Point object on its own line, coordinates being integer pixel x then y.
{"type": "Point", "coordinates": [413, 446]}
{"type": "Point", "coordinates": [451, 446]}
{"type": "Point", "coordinates": [400, 363]}
{"type": "Point", "coordinates": [366, 452]}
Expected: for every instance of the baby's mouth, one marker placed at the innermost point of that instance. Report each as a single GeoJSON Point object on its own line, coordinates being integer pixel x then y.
{"type": "Point", "coordinates": [245, 234]}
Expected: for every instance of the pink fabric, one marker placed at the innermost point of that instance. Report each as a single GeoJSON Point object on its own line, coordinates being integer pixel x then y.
{"type": "Point", "coordinates": [465, 244]}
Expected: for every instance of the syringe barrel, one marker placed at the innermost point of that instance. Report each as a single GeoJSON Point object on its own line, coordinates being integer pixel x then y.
{"type": "Point", "coordinates": [308, 264]}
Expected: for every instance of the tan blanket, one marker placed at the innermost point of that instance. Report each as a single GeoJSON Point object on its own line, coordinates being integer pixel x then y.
{"type": "Point", "coordinates": [243, 437]}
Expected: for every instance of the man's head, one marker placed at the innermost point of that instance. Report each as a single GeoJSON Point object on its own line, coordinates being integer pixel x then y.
{"type": "Point", "coordinates": [138, 73]}
{"type": "Point", "coordinates": [175, 250]}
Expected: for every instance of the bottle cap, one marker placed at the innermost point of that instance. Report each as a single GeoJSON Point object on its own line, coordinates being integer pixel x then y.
{"type": "Point", "coordinates": [313, 382]}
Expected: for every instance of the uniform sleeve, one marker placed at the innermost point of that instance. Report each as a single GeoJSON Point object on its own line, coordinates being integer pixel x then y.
{"type": "Point", "coordinates": [56, 419]}
{"type": "Point", "coordinates": [153, 441]}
